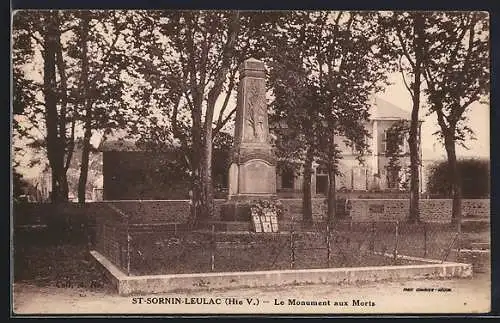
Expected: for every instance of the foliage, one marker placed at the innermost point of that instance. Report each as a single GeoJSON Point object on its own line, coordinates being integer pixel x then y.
{"type": "Point", "coordinates": [322, 84]}
{"type": "Point", "coordinates": [222, 145]}
{"type": "Point", "coordinates": [457, 70]}
{"type": "Point", "coordinates": [450, 50]}
{"type": "Point", "coordinates": [40, 32]}
{"type": "Point", "coordinates": [457, 75]}
{"type": "Point", "coordinates": [76, 56]}
{"type": "Point", "coordinates": [407, 40]}
{"type": "Point", "coordinates": [19, 187]}
{"type": "Point", "coordinates": [322, 73]}
{"type": "Point", "coordinates": [474, 175]}
{"type": "Point", "coordinates": [183, 62]}
{"type": "Point", "coordinates": [168, 77]}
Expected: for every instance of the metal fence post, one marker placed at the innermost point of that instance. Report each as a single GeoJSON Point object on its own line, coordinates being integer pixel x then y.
{"type": "Point", "coordinates": [448, 250]}
{"type": "Point", "coordinates": [328, 244]}
{"type": "Point", "coordinates": [129, 238]}
{"type": "Point", "coordinates": [104, 239]}
{"type": "Point", "coordinates": [425, 240]}
{"type": "Point", "coordinates": [212, 256]}
{"type": "Point", "coordinates": [372, 238]}
{"type": "Point", "coordinates": [396, 242]}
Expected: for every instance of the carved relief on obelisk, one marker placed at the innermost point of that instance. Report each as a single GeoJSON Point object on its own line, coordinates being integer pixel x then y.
{"type": "Point", "coordinates": [256, 112]}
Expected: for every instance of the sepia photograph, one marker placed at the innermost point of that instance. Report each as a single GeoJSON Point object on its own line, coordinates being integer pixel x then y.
{"type": "Point", "coordinates": [250, 162]}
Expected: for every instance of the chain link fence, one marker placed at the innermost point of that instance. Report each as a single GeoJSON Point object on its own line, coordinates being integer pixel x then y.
{"type": "Point", "coordinates": [171, 248]}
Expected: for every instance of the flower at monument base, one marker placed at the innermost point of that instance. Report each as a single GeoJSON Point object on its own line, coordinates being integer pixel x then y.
{"type": "Point", "coordinates": [267, 207]}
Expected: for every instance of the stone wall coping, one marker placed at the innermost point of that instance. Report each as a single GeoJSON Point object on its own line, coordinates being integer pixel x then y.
{"type": "Point", "coordinates": [127, 285]}
{"type": "Point", "coordinates": [282, 199]}
{"type": "Point", "coordinates": [142, 201]}
{"type": "Point", "coordinates": [428, 263]}
{"type": "Point", "coordinates": [437, 200]}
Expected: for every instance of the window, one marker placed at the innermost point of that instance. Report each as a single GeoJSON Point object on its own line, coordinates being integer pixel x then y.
{"type": "Point", "coordinates": [321, 170]}
{"type": "Point", "coordinates": [393, 178]}
{"type": "Point", "coordinates": [287, 178]}
{"type": "Point", "coordinates": [384, 142]}
{"type": "Point", "coordinates": [355, 148]}
{"type": "Point", "coordinates": [321, 180]}
{"type": "Point", "coordinates": [321, 184]}
{"type": "Point", "coordinates": [406, 147]}
{"type": "Point", "coordinates": [391, 138]}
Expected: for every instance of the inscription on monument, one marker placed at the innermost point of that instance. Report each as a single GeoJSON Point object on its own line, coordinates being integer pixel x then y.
{"type": "Point", "coordinates": [256, 177]}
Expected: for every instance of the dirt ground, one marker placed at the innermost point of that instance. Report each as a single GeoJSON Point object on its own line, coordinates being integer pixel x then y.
{"type": "Point", "coordinates": [461, 296]}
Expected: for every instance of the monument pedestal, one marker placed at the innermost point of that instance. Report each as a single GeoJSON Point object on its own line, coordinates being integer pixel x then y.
{"type": "Point", "coordinates": [238, 208]}
{"type": "Point", "coordinates": [252, 173]}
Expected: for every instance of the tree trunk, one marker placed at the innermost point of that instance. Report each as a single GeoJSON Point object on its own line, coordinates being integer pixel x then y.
{"type": "Point", "coordinates": [456, 185]}
{"type": "Point", "coordinates": [208, 189]}
{"type": "Point", "coordinates": [206, 167]}
{"type": "Point", "coordinates": [196, 162]}
{"type": "Point", "coordinates": [414, 211]}
{"type": "Point", "coordinates": [55, 144]}
{"type": "Point", "coordinates": [54, 194]}
{"type": "Point", "coordinates": [331, 198]}
{"type": "Point", "coordinates": [331, 193]}
{"type": "Point", "coordinates": [307, 217]}
{"type": "Point", "coordinates": [67, 144]}
{"type": "Point", "coordinates": [64, 187]}
{"type": "Point", "coordinates": [84, 168]}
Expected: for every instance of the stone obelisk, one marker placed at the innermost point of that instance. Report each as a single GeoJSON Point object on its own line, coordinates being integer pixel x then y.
{"type": "Point", "coordinates": [252, 174]}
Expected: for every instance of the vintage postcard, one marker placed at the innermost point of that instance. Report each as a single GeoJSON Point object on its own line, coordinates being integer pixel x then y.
{"type": "Point", "coordinates": [250, 162]}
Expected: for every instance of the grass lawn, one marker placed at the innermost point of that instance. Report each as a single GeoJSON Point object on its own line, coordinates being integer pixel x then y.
{"type": "Point", "coordinates": [63, 266]}
{"type": "Point", "coordinates": [243, 252]}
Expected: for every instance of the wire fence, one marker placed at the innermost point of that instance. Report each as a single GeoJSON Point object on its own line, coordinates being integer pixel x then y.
{"type": "Point", "coordinates": [172, 248]}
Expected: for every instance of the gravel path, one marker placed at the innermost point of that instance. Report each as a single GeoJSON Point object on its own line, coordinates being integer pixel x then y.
{"type": "Point", "coordinates": [461, 296]}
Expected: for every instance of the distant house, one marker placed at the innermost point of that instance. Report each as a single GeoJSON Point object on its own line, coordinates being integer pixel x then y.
{"type": "Point", "coordinates": [372, 174]}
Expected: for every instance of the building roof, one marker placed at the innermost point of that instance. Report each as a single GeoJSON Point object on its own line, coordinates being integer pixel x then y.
{"type": "Point", "coordinates": [381, 109]}
{"type": "Point", "coordinates": [118, 145]}
{"type": "Point", "coordinates": [118, 140]}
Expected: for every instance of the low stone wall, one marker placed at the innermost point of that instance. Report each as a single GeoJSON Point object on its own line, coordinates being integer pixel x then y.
{"type": "Point", "coordinates": [151, 211]}
{"type": "Point", "coordinates": [430, 209]}
{"type": "Point", "coordinates": [293, 209]}
{"type": "Point", "coordinates": [155, 211]}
